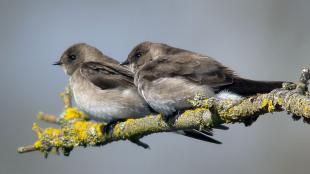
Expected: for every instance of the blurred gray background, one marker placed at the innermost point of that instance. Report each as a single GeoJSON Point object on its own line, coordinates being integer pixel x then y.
{"type": "Point", "coordinates": [260, 39]}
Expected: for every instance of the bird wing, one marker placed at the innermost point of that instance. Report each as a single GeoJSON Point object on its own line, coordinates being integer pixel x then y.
{"type": "Point", "coordinates": [194, 67]}
{"type": "Point", "coordinates": [107, 75]}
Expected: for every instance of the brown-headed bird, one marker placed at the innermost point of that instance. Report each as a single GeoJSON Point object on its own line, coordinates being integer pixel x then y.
{"type": "Point", "coordinates": [100, 86]}
{"type": "Point", "coordinates": [104, 89]}
{"type": "Point", "coordinates": [167, 77]}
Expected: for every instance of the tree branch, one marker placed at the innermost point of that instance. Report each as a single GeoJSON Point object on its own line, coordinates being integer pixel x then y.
{"type": "Point", "coordinates": [76, 130]}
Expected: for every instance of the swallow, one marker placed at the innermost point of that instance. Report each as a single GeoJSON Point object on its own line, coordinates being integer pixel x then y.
{"type": "Point", "coordinates": [105, 91]}
{"type": "Point", "coordinates": [167, 77]}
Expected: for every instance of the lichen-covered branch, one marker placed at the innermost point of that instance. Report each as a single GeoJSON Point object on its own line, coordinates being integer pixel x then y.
{"type": "Point", "coordinates": [76, 130]}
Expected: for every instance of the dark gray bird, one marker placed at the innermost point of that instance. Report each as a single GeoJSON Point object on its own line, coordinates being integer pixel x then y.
{"type": "Point", "coordinates": [105, 90]}
{"type": "Point", "coordinates": [167, 77]}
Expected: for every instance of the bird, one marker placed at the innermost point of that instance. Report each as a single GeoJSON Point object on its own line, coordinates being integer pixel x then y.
{"type": "Point", "coordinates": [105, 91]}
{"type": "Point", "coordinates": [100, 86]}
{"type": "Point", "coordinates": [167, 77]}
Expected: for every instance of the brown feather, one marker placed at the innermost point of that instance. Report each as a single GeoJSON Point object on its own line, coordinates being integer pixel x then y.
{"type": "Point", "coordinates": [196, 68]}
{"type": "Point", "coordinates": [105, 76]}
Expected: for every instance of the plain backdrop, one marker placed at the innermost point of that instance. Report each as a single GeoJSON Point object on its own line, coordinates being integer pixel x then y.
{"type": "Point", "coordinates": [259, 39]}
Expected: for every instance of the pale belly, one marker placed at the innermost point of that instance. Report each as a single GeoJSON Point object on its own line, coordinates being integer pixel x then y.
{"type": "Point", "coordinates": [169, 95]}
{"type": "Point", "coordinates": [107, 105]}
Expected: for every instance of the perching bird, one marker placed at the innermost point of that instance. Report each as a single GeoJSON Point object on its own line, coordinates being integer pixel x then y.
{"type": "Point", "coordinates": [104, 89]}
{"type": "Point", "coordinates": [101, 87]}
{"type": "Point", "coordinates": [167, 77]}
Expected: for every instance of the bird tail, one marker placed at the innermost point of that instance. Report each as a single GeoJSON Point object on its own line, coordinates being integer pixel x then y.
{"type": "Point", "coordinates": [247, 87]}
{"type": "Point", "coordinates": [203, 135]}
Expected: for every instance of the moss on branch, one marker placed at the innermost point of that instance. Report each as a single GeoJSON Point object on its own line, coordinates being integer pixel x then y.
{"type": "Point", "coordinates": [76, 130]}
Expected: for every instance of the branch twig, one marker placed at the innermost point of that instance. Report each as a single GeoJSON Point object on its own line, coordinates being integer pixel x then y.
{"type": "Point", "coordinates": [76, 131]}
{"type": "Point", "coordinates": [66, 98]}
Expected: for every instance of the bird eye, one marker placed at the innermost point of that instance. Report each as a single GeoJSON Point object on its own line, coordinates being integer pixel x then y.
{"type": "Point", "coordinates": [138, 54]}
{"type": "Point", "coordinates": [72, 57]}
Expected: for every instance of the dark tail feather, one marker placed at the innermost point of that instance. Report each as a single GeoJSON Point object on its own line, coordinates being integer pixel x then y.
{"type": "Point", "coordinates": [221, 127]}
{"type": "Point", "coordinates": [199, 136]}
{"type": "Point", "coordinates": [246, 87]}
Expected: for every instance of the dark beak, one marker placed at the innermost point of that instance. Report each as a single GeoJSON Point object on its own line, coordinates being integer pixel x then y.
{"type": "Point", "coordinates": [57, 63]}
{"type": "Point", "coordinates": [126, 62]}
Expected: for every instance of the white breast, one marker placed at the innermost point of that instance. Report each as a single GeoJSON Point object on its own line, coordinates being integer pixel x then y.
{"type": "Point", "coordinates": [104, 105]}
{"type": "Point", "coordinates": [87, 100]}
{"type": "Point", "coordinates": [170, 94]}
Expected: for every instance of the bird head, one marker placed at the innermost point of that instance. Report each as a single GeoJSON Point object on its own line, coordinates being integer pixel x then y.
{"type": "Point", "coordinates": [146, 52]}
{"type": "Point", "coordinates": [79, 53]}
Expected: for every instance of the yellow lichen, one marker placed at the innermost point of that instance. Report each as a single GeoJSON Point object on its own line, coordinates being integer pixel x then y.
{"type": "Point", "coordinates": [305, 109]}
{"type": "Point", "coordinates": [188, 115]}
{"type": "Point", "coordinates": [98, 127]}
{"type": "Point", "coordinates": [35, 127]}
{"type": "Point", "coordinates": [198, 110]}
{"type": "Point", "coordinates": [230, 111]}
{"type": "Point", "coordinates": [37, 144]}
{"type": "Point", "coordinates": [193, 111]}
{"type": "Point", "coordinates": [72, 113]}
{"type": "Point", "coordinates": [226, 114]}
{"type": "Point", "coordinates": [280, 101]}
{"type": "Point", "coordinates": [53, 135]}
{"type": "Point", "coordinates": [117, 129]}
{"type": "Point", "coordinates": [269, 104]}
{"type": "Point", "coordinates": [86, 131]}
{"type": "Point", "coordinates": [37, 130]}
{"type": "Point", "coordinates": [129, 121]}
{"type": "Point", "coordinates": [80, 128]}
{"type": "Point", "coordinates": [205, 103]}
{"type": "Point", "coordinates": [70, 134]}
{"type": "Point", "coordinates": [265, 102]}
{"type": "Point", "coordinates": [52, 132]}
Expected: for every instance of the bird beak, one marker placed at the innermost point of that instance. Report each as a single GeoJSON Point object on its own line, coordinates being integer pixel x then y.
{"type": "Point", "coordinates": [126, 62]}
{"type": "Point", "coordinates": [58, 63]}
